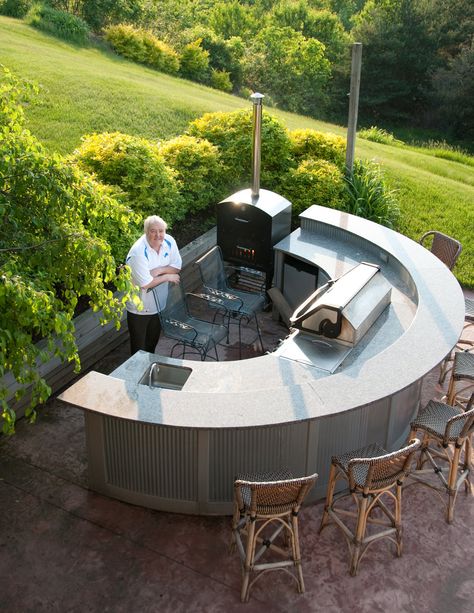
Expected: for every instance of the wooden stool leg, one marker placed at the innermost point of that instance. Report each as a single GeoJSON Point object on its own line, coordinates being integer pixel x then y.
{"type": "Point", "coordinates": [329, 496]}
{"type": "Point", "coordinates": [249, 561]}
{"type": "Point", "coordinates": [297, 553]}
{"type": "Point", "coordinates": [398, 518]}
{"type": "Point", "coordinates": [452, 478]}
{"type": "Point", "coordinates": [359, 534]}
{"type": "Point", "coordinates": [451, 395]}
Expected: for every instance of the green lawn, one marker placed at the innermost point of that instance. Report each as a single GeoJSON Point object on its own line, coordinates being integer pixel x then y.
{"type": "Point", "coordinates": [89, 90]}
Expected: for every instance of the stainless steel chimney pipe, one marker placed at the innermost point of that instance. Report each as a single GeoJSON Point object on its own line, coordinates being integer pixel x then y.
{"type": "Point", "coordinates": [257, 100]}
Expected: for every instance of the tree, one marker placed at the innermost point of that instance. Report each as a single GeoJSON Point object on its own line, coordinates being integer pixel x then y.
{"type": "Point", "coordinates": [55, 226]}
{"type": "Point", "coordinates": [398, 57]}
{"type": "Point", "coordinates": [293, 70]}
{"type": "Point", "coordinates": [320, 24]}
{"type": "Point", "coordinates": [229, 19]}
{"type": "Point", "coordinates": [454, 87]}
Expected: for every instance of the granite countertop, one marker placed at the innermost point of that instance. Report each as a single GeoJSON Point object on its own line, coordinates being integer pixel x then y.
{"type": "Point", "coordinates": [419, 328]}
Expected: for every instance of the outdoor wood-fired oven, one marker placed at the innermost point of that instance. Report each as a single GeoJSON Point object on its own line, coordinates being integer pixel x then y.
{"type": "Point", "coordinates": [251, 221]}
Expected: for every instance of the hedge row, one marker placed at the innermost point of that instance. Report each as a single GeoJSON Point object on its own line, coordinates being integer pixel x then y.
{"type": "Point", "coordinates": [192, 172]}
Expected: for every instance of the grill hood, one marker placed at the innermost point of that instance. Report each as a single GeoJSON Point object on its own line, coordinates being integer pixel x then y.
{"type": "Point", "coordinates": [347, 307]}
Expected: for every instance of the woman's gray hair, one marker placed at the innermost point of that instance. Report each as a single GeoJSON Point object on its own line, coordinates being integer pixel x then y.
{"type": "Point", "coordinates": [153, 219]}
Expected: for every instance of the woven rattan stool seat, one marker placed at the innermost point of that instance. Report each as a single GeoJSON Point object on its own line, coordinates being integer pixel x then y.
{"type": "Point", "coordinates": [266, 513]}
{"type": "Point", "coordinates": [374, 478]}
{"type": "Point", "coordinates": [433, 419]}
{"type": "Point", "coordinates": [444, 461]}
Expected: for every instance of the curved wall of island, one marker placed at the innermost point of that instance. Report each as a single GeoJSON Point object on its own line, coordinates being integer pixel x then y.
{"type": "Point", "coordinates": [180, 450]}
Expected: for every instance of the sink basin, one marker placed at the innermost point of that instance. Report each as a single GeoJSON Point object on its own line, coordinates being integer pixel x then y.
{"type": "Point", "coordinates": [168, 376]}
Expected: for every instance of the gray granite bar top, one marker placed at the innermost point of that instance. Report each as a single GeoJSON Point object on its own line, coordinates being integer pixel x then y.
{"type": "Point", "coordinates": [419, 328]}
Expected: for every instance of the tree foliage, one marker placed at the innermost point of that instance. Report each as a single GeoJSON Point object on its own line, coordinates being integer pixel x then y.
{"type": "Point", "coordinates": [55, 226]}
{"type": "Point", "coordinates": [395, 81]}
{"type": "Point", "coordinates": [292, 69]}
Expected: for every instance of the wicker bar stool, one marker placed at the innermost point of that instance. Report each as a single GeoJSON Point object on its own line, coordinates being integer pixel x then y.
{"type": "Point", "coordinates": [445, 448]}
{"type": "Point", "coordinates": [375, 479]}
{"type": "Point", "coordinates": [444, 247]}
{"type": "Point", "coordinates": [266, 506]}
{"type": "Point", "coordinates": [462, 372]}
{"type": "Point", "coordinates": [464, 339]}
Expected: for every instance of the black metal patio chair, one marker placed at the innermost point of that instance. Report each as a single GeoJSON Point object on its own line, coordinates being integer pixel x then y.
{"type": "Point", "coordinates": [192, 334]}
{"type": "Point", "coordinates": [232, 303]}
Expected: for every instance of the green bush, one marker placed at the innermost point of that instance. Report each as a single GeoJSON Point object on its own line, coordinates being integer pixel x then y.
{"type": "Point", "coordinates": [158, 54]}
{"type": "Point", "coordinates": [143, 47]}
{"type": "Point", "coordinates": [198, 170]}
{"type": "Point", "coordinates": [310, 144]}
{"type": "Point", "coordinates": [125, 41]}
{"type": "Point", "coordinates": [232, 134]}
{"type": "Point", "coordinates": [136, 166]}
{"type": "Point", "coordinates": [314, 182]}
{"type": "Point", "coordinates": [369, 196]}
{"type": "Point", "coordinates": [59, 23]}
{"type": "Point", "coordinates": [194, 62]}
{"type": "Point", "coordinates": [379, 135]}
{"type": "Point", "coordinates": [220, 79]}
{"type": "Point", "coordinates": [15, 8]}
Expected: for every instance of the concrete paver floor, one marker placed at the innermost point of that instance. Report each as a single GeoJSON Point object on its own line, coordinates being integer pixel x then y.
{"type": "Point", "coordinates": [65, 548]}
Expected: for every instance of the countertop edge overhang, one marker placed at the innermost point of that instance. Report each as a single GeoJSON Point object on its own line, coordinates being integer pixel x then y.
{"type": "Point", "coordinates": [267, 390]}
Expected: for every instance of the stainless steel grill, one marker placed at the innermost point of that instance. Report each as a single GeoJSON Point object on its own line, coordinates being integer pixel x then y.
{"type": "Point", "coordinates": [347, 307]}
{"type": "Point", "coordinates": [330, 322]}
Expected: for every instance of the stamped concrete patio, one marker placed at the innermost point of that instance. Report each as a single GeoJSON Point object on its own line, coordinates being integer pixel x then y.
{"type": "Point", "coordinates": [65, 548]}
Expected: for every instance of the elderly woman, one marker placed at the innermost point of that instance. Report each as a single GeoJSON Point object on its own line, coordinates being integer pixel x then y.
{"type": "Point", "coordinates": [154, 260]}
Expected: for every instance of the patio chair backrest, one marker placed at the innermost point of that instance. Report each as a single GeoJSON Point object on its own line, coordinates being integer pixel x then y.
{"type": "Point", "coordinates": [212, 270]}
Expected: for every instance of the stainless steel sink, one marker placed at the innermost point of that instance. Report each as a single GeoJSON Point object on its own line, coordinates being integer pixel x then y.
{"type": "Point", "coordinates": [168, 376]}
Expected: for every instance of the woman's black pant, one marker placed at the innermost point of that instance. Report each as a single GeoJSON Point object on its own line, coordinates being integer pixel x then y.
{"type": "Point", "coordinates": [144, 331]}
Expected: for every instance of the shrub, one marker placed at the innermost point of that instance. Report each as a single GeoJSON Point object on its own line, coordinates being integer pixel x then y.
{"type": "Point", "coordinates": [232, 134]}
{"type": "Point", "coordinates": [158, 54]}
{"type": "Point", "coordinates": [310, 144]}
{"type": "Point", "coordinates": [126, 41]}
{"type": "Point", "coordinates": [369, 196]}
{"type": "Point", "coordinates": [379, 135]}
{"type": "Point", "coordinates": [136, 166]}
{"type": "Point", "coordinates": [194, 62]}
{"type": "Point", "coordinates": [198, 170]}
{"type": "Point", "coordinates": [15, 8]}
{"type": "Point", "coordinates": [59, 23]}
{"type": "Point", "coordinates": [314, 182]}
{"type": "Point", "coordinates": [220, 79]}
{"type": "Point", "coordinates": [143, 47]}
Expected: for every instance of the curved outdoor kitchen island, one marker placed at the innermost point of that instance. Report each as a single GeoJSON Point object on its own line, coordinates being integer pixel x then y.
{"type": "Point", "coordinates": [180, 450]}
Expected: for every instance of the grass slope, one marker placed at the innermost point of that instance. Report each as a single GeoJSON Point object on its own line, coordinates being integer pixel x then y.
{"type": "Point", "coordinates": [89, 90]}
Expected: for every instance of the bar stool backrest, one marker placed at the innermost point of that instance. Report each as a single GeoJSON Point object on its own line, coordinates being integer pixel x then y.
{"type": "Point", "coordinates": [462, 425]}
{"type": "Point", "coordinates": [444, 247]}
{"type": "Point", "coordinates": [273, 497]}
{"type": "Point", "coordinates": [379, 473]}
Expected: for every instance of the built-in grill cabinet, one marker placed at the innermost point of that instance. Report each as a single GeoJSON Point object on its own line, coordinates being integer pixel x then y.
{"type": "Point", "coordinates": [248, 227]}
